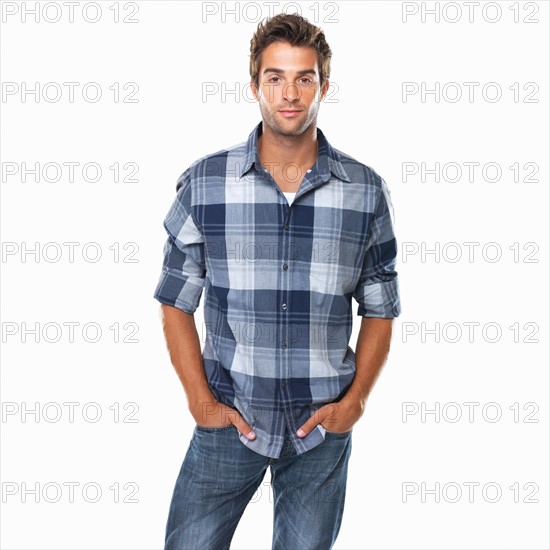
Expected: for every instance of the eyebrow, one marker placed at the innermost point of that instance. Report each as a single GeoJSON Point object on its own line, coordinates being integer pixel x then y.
{"type": "Point", "coordinates": [280, 71]}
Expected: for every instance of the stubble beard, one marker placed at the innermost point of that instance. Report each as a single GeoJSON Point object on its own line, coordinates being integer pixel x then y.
{"type": "Point", "coordinates": [270, 119]}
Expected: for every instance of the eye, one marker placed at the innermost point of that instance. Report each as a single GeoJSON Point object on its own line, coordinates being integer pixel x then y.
{"type": "Point", "coordinates": [306, 80]}
{"type": "Point", "coordinates": [273, 79]}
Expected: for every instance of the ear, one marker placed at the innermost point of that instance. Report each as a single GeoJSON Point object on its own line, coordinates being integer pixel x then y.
{"type": "Point", "coordinates": [324, 89]}
{"type": "Point", "coordinates": [255, 90]}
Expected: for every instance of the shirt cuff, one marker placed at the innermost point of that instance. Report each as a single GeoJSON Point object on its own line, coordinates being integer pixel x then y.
{"type": "Point", "coordinates": [380, 300]}
{"type": "Point", "coordinates": [172, 292]}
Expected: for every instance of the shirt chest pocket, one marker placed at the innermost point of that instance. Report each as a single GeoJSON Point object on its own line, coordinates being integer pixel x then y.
{"type": "Point", "coordinates": [331, 280]}
{"type": "Point", "coordinates": [336, 263]}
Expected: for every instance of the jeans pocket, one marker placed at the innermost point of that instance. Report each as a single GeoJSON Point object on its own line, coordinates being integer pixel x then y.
{"type": "Point", "coordinates": [338, 434]}
{"type": "Point", "coordinates": [213, 428]}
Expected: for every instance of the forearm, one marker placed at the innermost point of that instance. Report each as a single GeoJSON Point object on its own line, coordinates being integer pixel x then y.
{"type": "Point", "coordinates": [373, 344]}
{"type": "Point", "coordinates": [183, 344]}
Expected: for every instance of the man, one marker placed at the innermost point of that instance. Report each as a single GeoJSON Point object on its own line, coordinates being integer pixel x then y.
{"type": "Point", "coordinates": [277, 384]}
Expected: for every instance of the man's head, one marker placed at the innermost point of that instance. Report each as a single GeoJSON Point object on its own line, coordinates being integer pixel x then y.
{"type": "Point", "coordinates": [289, 71]}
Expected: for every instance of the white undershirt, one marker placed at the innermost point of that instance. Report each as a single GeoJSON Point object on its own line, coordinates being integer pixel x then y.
{"type": "Point", "coordinates": [289, 196]}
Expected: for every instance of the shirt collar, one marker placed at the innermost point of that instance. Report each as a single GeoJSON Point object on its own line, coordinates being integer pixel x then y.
{"type": "Point", "coordinates": [328, 159]}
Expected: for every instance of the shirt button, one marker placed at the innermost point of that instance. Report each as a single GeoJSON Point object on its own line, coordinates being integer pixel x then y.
{"type": "Point", "coordinates": [283, 344]}
{"type": "Point", "coordinates": [283, 383]}
{"type": "Point", "coordinates": [285, 267]}
{"type": "Point", "coordinates": [286, 226]}
{"type": "Point", "coordinates": [284, 306]}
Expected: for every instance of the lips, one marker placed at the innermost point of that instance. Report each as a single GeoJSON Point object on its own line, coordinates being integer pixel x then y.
{"type": "Point", "coordinates": [290, 113]}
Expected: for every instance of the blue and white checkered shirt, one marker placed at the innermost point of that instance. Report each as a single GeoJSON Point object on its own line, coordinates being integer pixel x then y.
{"type": "Point", "coordinates": [279, 280]}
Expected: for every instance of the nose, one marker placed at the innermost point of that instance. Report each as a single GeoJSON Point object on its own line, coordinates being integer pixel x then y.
{"type": "Point", "coordinates": [291, 92]}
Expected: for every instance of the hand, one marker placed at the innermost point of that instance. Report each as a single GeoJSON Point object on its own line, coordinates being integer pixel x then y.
{"type": "Point", "coordinates": [335, 417]}
{"type": "Point", "coordinates": [213, 414]}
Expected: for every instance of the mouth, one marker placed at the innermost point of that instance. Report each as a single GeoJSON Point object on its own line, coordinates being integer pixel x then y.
{"type": "Point", "coordinates": [290, 112]}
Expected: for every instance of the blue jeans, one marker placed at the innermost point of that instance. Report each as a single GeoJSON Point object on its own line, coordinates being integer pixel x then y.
{"type": "Point", "coordinates": [220, 475]}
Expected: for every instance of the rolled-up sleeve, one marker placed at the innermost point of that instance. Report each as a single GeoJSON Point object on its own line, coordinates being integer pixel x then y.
{"type": "Point", "coordinates": [377, 291]}
{"type": "Point", "coordinates": [183, 270]}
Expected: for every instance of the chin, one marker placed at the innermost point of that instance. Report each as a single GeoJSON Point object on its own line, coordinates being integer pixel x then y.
{"type": "Point", "coordinates": [295, 128]}
{"type": "Point", "coordinates": [290, 133]}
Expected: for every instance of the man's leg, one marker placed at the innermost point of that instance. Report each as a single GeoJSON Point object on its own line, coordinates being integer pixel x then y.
{"type": "Point", "coordinates": [218, 477]}
{"type": "Point", "coordinates": [309, 491]}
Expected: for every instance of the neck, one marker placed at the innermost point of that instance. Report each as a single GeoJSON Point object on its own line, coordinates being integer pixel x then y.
{"type": "Point", "coordinates": [276, 148]}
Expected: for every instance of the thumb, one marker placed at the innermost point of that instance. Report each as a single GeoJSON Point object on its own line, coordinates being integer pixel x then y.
{"type": "Point", "coordinates": [316, 418]}
{"type": "Point", "coordinates": [243, 427]}
{"type": "Point", "coordinates": [241, 424]}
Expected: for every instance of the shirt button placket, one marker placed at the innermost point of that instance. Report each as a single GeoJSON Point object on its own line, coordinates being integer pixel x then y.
{"type": "Point", "coordinates": [284, 370]}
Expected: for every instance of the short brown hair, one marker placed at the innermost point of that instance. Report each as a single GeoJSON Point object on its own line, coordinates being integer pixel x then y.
{"type": "Point", "coordinates": [292, 28]}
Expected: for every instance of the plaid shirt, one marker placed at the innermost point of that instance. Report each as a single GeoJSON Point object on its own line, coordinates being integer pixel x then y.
{"type": "Point", "coordinates": [279, 280]}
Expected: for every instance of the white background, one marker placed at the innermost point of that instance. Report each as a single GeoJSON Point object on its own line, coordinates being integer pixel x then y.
{"type": "Point", "coordinates": [169, 53]}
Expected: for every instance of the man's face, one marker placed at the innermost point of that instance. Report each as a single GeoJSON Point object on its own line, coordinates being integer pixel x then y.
{"type": "Point", "coordinates": [289, 91]}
